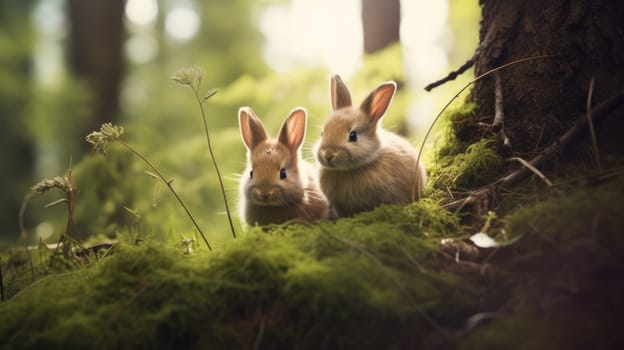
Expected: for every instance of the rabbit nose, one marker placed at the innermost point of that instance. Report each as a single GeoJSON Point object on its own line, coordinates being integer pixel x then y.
{"type": "Point", "coordinates": [329, 156]}
{"type": "Point", "coordinates": [263, 195]}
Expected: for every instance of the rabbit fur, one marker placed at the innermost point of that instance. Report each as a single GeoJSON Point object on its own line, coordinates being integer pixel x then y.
{"type": "Point", "coordinates": [363, 165]}
{"type": "Point", "coordinates": [278, 185]}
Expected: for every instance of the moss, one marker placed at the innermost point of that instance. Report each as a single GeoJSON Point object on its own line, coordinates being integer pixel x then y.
{"type": "Point", "coordinates": [478, 165]}
{"type": "Point", "coordinates": [363, 282]}
{"type": "Point", "coordinates": [586, 212]}
{"type": "Point", "coordinates": [459, 164]}
{"type": "Point", "coordinates": [530, 331]}
{"type": "Point", "coordinates": [453, 126]}
{"type": "Point", "coordinates": [558, 287]}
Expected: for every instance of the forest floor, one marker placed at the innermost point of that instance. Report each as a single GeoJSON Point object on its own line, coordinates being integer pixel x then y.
{"type": "Point", "coordinates": [541, 270]}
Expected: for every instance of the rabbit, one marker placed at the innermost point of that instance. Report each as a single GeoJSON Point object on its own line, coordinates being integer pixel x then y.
{"type": "Point", "coordinates": [363, 165]}
{"type": "Point", "coordinates": [278, 185]}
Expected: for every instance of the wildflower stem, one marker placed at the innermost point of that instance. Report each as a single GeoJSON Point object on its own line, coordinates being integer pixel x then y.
{"type": "Point", "coordinates": [168, 184]}
{"type": "Point", "coordinates": [214, 162]}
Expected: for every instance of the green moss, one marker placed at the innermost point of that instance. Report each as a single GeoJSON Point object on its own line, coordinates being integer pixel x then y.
{"type": "Point", "coordinates": [476, 166]}
{"type": "Point", "coordinates": [458, 164]}
{"type": "Point", "coordinates": [530, 331]}
{"type": "Point", "coordinates": [527, 331]}
{"type": "Point", "coordinates": [453, 126]}
{"type": "Point", "coordinates": [584, 213]}
{"type": "Point", "coordinates": [364, 282]}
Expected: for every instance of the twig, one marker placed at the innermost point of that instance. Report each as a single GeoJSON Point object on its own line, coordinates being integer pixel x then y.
{"type": "Point", "coordinates": [109, 133]}
{"type": "Point", "coordinates": [71, 227]}
{"type": "Point", "coordinates": [498, 125]}
{"type": "Point", "coordinates": [548, 153]}
{"type": "Point", "coordinates": [192, 77]}
{"type": "Point", "coordinates": [22, 212]}
{"type": "Point", "coordinates": [435, 120]}
{"type": "Point", "coordinates": [1, 282]}
{"type": "Point", "coordinates": [258, 340]}
{"type": "Point", "coordinates": [55, 252]}
{"type": "Point", "coordinates": [590, 95]}
{"type": "Point", "coordinates": [453, 74]}
{"type": "Point", "coordinates": [212, 156]}
{"type": "Point", "coordinates": [534, 170]}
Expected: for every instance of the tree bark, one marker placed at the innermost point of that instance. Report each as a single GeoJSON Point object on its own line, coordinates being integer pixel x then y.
{"type": "Point", "coordinates": [381, 22]}
{"type": "Point", "coordinates": [542, 97]}
{"type": "Point", "coordinates": [95, 53]}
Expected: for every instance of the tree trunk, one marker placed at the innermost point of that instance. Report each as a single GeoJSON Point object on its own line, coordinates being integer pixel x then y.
{"type": "Point", "coordinates": [95, 53]}
{"type": "Point", "coordinates": [543, 97]}
{"type": "Point", "coordinates": [381, 21]}
{"type": "Point", "coordinates": [17, 153]}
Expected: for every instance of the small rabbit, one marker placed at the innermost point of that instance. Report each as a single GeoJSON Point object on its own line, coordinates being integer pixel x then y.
{"type": "Point", "coordinates": [364, 165]}
{"type": "Point", "coordinates": [277, 184]}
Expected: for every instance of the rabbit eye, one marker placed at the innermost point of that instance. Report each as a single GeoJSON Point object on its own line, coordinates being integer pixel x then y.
{"type": "Point", "coordinates": [282, 174]}
{"type": "Point", "coordinates": [352, 136]}
{"type": "Point", "coordinates": [251, 174]}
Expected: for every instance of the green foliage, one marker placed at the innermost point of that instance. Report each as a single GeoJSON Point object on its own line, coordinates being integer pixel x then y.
{"type": "Point", "coordinates": [463, 17]}
{"type": "Point", "coordinates": [107, 184]}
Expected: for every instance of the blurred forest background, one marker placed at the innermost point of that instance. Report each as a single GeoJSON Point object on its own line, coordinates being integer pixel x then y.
{"type": "Point", "coordinates": [67, 66]}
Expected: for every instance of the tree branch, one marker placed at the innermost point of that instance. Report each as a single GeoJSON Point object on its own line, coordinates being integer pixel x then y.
{"type": "Point", "coordinates": [498, 125]}
{"type": "Point", "coordinates": [453, 74]}
{"type": "Point", "coordinates": [547, 154]}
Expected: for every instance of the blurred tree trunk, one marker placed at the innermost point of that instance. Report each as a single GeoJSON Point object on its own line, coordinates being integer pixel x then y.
{"type": "Point", "coordinates": [542, 98]}
{"type": "Point", "coordinates": [95, 53]}
{"type": "Point", "coordinates": [381, 21]}
{"type": "Point", "coordinates": [16, 93]}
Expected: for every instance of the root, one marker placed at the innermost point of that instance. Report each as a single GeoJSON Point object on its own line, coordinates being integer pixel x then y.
{"type": "Point", "coordinates": [482, 197]}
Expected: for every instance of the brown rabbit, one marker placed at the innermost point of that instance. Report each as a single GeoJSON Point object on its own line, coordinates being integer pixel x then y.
{"type": "Point", "coordinates": [364, 165]}
{"type": "Point", "coordinates": [277, 184]}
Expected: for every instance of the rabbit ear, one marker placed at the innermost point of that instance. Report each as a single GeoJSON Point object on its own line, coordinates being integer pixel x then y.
{"type": "Point", "coordinates": [340, 96]}
{"type": "Point", "coordinates": [294, 128]}
{"type": "Point", "coordinates": [251, 128]}
{"type": "Point", "coordinates": [377, 102]}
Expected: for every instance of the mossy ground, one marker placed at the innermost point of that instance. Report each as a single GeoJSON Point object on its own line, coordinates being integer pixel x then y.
{"type": "Point", "coordinates": [368, 282]}
{"type": "Point", "coordinates": [376, 281]}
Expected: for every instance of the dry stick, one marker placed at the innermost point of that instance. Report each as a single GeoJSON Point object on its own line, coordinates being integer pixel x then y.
{"type": "Point", "coordinates": [71, 227]}
{"type": "Point", "coordinates": [1, 282]}
{"type": "Point", "coordinates": [499, 116]}
{"type": "Point", "coordinates": [534, 170]}
{"type": "Point", "coordinates": [168, 183]}
{"type": "Point", "coordinates": [214, 163]}
{"type": "Point", "coordinates": [548, 153]}
{"type": "Point", "coordinates": [22, 212]}
{"type": "Point", "coordinates": [590, 94]}
{"type": "Point", "coordinates": [454, 74]}
{"type": "Point", "coordinates": [599, 111]}
{"type": "Point", "coordinates": [435, 120]}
